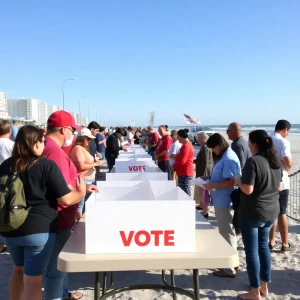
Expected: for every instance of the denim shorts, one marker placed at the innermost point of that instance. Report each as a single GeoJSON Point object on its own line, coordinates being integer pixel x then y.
{"type": "Point", "coordinates": [31, 251]}
{"type": "Point", "coordinates": [81, 205]}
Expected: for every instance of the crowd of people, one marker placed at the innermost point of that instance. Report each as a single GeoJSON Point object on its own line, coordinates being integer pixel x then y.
{"type": "Point", "coordinates": [59, 165]}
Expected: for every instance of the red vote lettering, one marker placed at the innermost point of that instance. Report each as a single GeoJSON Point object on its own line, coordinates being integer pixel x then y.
{"type": "Point", "coordinates": [168, 238]}
{"type": "Point", "coordinates": [137, 238]}
{"type": "Point", "coordinates": [137, 168]}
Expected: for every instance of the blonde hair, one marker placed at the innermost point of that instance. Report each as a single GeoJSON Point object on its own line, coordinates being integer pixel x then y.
{"type": "Point", "coordinates": [203, 136]}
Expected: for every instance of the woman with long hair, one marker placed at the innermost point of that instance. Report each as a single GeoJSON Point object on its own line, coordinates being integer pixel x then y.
{"type": "Point", "coordinates": [30, 245]}
{"type": "Point", "coordinates": [84, 162]}
{"type": "Point", "coordinates": [184, 162]}
{"type": "Point", "coordinates": [259, 208]}
{"type": "Point", "coordinates": [226, 168]}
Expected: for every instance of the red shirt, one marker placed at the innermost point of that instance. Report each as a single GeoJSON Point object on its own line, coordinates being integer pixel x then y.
{"type": "Point", "coordinates": [153, 138]}
{"type": "Point", "coordinates": [184, 160]}
{"type": "Point", "coordinates": [164, 144]}
{"type": "Point", "coordinates": [66, 214]}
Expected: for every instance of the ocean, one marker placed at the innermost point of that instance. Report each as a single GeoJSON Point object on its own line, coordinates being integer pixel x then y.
{"type": "Point", "coordinates": [295, 130]}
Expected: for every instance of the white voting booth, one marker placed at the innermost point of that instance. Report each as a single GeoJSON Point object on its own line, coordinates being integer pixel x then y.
{"type": "Point", "coordinates": [139, 217]}
{"type": "Point", "coordinates": [139, 176]}
{"type": "Point", "coordinates": [138, 210]}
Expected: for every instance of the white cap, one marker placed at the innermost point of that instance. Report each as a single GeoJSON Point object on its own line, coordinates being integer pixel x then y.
{"type": "Point", "coordinates": [85, 132]}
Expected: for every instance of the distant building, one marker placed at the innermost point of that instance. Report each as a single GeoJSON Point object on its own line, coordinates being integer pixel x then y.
{"type": "Point", "coordinates": [29, 109]}
{"type": "Point", "coordinates": [80, 119]}
{"type": "Point", "coordinates": [52, 109]}
{"type": "Point", "coordinates": [3, 106]}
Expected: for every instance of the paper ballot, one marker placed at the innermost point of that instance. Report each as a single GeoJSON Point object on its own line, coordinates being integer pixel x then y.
{"type": "Point", "coordinates": [200, 182]}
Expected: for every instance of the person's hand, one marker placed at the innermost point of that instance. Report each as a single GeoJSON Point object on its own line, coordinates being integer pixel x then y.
{"type": "Point", "coordinates": [209, 186]}
{"type": "Point", "coordinates": [99, 155]}
{"type": "Point", "coordinates": [81, 187]}
{"type": "Point", "coordinates": [124, 148]}
{"type": "Point", "coordinates": [155, 156]}
{"type": "Point", "coordinates": [99, 163]}
{"type": "Point", "coordinates": [91, 188]}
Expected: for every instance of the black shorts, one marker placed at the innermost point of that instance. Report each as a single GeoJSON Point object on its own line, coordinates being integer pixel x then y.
{"type": "Point", "coordinates": [283, 201]}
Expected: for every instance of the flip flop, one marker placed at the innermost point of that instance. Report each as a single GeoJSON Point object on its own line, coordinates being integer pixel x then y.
{"type": "Point", "coordinates": [222, 273]}
{"type": "Point", "coordinates": [74, 296]}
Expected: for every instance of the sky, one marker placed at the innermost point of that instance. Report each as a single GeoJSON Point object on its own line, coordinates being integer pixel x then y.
{"type": "Point", "coordinates": [218, 61]}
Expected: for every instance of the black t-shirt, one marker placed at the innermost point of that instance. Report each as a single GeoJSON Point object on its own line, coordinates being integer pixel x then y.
{"type": "Point", "coordinates": [263, 203]}
{"type": "Point", "coordinates": [43, 184]}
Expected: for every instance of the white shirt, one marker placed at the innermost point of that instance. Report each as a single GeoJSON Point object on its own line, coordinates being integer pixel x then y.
{"type": "Point", "coordinates": [129, 137]}
{"type": "Point", "coordinates": [6, 147]}
{"type": "Point", "coordinates": [175, 147]}
{"type": "Point", "coordinates": [283, 149]}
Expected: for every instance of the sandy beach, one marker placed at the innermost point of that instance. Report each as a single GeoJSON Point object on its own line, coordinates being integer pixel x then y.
{"type": "Point", "coordinates": [285, 269]}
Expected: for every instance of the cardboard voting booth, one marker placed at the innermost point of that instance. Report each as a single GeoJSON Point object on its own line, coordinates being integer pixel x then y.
{"type": "Point", "coordinates": [138, 176]}
{"type": "Point", "coordinates": [129, 165]}
{"type": "Point", "coordinates": [139, 217]}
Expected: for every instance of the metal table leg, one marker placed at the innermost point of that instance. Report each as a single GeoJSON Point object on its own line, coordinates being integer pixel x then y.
{"type": "Point", "coordinates": [196, 284]}
{"type": "Point", "coordinates": [173, 284]}
{"type": "Point", "coordinates": [112, 277]}
{"type": "Point", "coordinates": [104, 283]}
{"type": "Point", "coordinates": [97, 286]}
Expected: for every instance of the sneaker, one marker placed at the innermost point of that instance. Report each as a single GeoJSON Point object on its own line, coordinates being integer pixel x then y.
{"type": "Point", "coordinates": [290, 248]}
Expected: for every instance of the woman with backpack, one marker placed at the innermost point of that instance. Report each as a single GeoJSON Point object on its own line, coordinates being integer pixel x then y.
{"type": "Point", "coordinates": [30, 236]}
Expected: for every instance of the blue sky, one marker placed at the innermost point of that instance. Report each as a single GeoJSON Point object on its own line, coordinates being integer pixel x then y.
{"type": "Point", "coordinates": [219, 61]}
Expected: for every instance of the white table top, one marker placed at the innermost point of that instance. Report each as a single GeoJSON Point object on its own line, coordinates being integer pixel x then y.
{"type": "Point", "coordinates": [212, 251]}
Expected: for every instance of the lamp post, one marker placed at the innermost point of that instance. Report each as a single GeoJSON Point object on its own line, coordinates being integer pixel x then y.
{"type": "Point", "coordinates": [63, 92]}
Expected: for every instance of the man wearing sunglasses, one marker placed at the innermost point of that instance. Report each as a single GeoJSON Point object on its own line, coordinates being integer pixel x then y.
{"type": "Point", "coordinates": [60, 131]}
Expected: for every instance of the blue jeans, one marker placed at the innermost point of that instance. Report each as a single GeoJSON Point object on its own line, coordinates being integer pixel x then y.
{"type": "Point", "coordinates": [258, 257]}
{"type": "Point", "coordinates": [54, 280]}
{"type": "Point", "coordinates": [31, 251]}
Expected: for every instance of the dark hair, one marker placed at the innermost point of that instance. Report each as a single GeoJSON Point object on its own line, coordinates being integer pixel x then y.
{"type": "Point", "coordinates": [183, 133]}
{"type": "Point", "coordinates": [217, 140]}
{"type": "Point", "coordinates": [265, 147]}
{"type": "Point", "coordinates": [187, 129]}
{"type": "Point", "coordinates": [129, 128]}
{"type": "Point", "coordinates": [282, 125]}
{"type": "Point", "coordinates": [93, 125]}
{"type": "Point", "coordinates": [80, 141]}
{"type": "Point", "coordinates": [22, 155]}
{"type": "Point", "coordinates": [167, 127]}
{"type": "Point", "coordinates": [121, 131]}
{"type": "Point", "coordinates": [4, 127]}
{"type": "Point", "coordinates": [101, 129]}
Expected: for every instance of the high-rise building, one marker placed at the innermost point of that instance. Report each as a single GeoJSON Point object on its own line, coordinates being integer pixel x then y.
{"type": "Point", "coordinates": [29, 109]}
{"type": "Point", "coordinates": [3, 106]}
{"type": "Point", "coordinates": [52, 109]}
{"type": "Point", "coordinates": [80, 119]}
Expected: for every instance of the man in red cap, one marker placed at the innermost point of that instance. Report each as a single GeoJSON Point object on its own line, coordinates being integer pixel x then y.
{"type": "Point", "coordinates": [60, 130]}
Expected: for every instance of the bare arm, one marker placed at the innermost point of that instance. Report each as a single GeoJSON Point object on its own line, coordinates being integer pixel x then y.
{"type": "Point", "coordinates": [288, 163]}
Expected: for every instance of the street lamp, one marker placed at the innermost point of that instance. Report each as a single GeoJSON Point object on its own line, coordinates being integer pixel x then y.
{"type": "Point", "coordinates": [63, 93]}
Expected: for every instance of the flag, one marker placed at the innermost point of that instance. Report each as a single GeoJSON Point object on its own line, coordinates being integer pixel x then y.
{"type": "Point", "coordinates": [151, 120]}
{"type": "Point", "coordinates": [189, 120]}
{"type": "Point", "coordinates": [131, 123]}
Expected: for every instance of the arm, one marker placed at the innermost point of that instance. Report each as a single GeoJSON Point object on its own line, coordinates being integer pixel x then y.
{"type": "Point", "coordinates": [288, 163]}
{"type": "Point", "coordinates": [246, 183]}
{"type": "Point", "coordinates": [162, 153]}
{"type": "Point", "coordinates": [75, 195]}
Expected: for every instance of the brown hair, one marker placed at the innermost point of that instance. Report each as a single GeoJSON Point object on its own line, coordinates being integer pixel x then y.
{"type": "Point", "coordinates": [80, 142]}
{"type": "Point", "coordinates": [217, 140]}
{"type": "Point", "coordinates": [4, 127]}
{"type": "Point", "coordinates": [23, 155]}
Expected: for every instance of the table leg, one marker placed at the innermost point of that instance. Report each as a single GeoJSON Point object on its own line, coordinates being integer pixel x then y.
{"type": "Point", "coordinates": [104, 283]}
{"type": "Point", "coordinates": [196, 284]}
{"type": "Point", "coordinates": [112, 277]}
{"type": "Point", "coordinates": [97, 286]}
{"type": "Point", "coordinates": [173, 284]}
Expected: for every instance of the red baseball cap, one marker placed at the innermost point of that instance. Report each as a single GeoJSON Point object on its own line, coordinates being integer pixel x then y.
{"type": "Point", "coordinates": [62, 118]}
